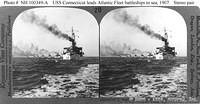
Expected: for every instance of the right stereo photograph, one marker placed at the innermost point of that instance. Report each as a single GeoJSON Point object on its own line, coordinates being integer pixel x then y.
{"type": "Point", "coordinates": [143, 53]}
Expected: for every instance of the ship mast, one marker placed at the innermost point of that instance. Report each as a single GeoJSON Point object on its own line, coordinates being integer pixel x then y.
{"type": "Point", "coordinates": [73, 34]}
{"type": "Point", "coordinates": [165, 34]}
{"type": "Point", "coordinates": [166, 38]}
{"type": "Point", "coordinates": [73, 41]}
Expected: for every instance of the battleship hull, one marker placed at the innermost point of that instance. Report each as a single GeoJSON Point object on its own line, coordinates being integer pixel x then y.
{"type": "Point", "coordinates": [58, 67]}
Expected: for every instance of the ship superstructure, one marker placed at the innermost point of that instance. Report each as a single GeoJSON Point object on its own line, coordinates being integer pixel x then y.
{"type": "Point", "coordinates": [73, 52]}
{"type": "Point", "coordinates": [166, 52]}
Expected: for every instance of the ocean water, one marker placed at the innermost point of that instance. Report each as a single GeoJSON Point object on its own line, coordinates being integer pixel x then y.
{"type": "Point", "coordinates": [85, 83]}
{"type": "Point", "coordinates": [172, 84]}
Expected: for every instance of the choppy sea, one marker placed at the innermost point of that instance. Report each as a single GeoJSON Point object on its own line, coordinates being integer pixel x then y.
{"type": "Point", "coordinates": [85, 83]}
{"type": "Point", "coordinates": [172, 84]}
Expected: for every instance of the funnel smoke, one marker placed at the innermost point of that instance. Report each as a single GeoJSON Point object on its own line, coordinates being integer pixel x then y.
{"type": "Point", "coordinates": [123, 17]}
{"type": "Point", "coordinates": [31, 17]}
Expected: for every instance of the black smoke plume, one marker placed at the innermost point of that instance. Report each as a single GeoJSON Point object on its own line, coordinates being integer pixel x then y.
{"type": "Point", "coordinates": [123, 17]}
{"type": "Point", "coordinates": [35, 19]}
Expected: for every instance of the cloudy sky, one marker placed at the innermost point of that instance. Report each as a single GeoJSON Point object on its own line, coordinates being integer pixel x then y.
{"type": "Point", "coordinates": [84, 24]}
{"type": "Point", "coordinates": [157, 19]}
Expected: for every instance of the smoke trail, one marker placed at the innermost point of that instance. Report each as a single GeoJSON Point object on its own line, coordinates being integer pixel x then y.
{"type": "Point", "coordinates": [117, 49]}
{"type": "Point", "coordinates": [123, 17]}
{"type": "Point", "coordinates": [113, 49]}
{"type": "Point", "coordinates": [35, 19]}
{"type": "Point", "coordinates": [30, 50]}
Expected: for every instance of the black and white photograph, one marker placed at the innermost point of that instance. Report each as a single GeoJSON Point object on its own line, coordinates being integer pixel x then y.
{"type": "Point", "coordinates": [55, 54]}
{"type": "Point", "coordinates": [143, 53]}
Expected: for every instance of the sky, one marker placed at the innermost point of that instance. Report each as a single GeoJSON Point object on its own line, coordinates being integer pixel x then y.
{"type": "Point", "coordinates": [83, 23]}
{"type": "Point", "coordinates": [156, 18]}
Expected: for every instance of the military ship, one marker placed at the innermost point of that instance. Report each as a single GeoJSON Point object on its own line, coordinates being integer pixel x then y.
{"type": "Point", "coordinates": [120, 72]}
{"type": "Point", "coordinates": [28, 72]}
{"type": "Point", "coordinates": [71, 58]}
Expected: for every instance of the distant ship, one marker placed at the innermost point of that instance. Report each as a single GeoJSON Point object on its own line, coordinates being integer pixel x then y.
{"type": "Point", "coordinates": [120, 72]}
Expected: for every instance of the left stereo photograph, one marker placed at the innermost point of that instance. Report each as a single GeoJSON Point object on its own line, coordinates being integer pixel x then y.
{"type": "Point", "coordinates": [55, 54]}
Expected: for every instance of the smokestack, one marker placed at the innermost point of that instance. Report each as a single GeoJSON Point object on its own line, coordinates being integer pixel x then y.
{"type": "Point", "coordinates": [31, 17]}
{"type": "Point", "coordinates": [122, 16]}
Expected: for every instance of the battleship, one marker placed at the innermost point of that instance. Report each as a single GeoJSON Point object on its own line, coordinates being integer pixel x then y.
{"type": "Point", "coordinates": [119, 72]}
{"type": "Point", "coordinates": [71, 58]}
{"type": "Point", "coordinates": [29, 71]}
